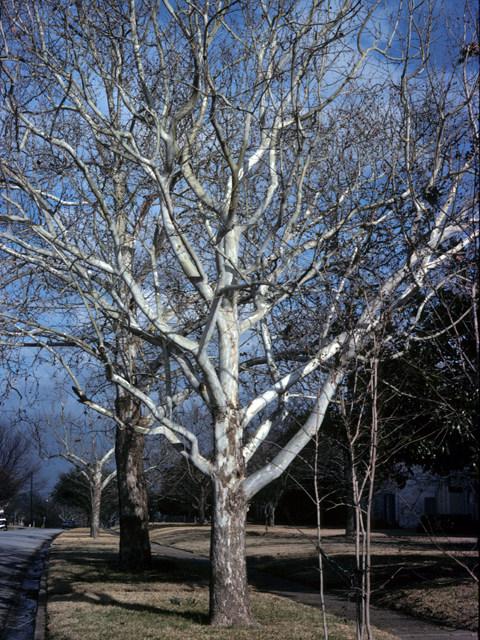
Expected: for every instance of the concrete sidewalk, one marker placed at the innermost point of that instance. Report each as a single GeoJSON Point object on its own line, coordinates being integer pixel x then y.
{"type": "Point", "coordinates": [402, 627]}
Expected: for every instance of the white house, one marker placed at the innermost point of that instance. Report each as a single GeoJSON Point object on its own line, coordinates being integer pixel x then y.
{"type": "Point", "coordinates": [425, 493]}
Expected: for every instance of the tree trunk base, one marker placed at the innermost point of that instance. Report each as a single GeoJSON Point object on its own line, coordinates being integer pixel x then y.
{"type": "Point", "coordinates": [242, 621]}
{"type": "Point", "coordinates": [229, 595]}
{"type": "Point", "coordinates": [135, 554]}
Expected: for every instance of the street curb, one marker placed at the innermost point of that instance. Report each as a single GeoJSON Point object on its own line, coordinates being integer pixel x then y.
{"type": "Point", "coordinates": [41, 617]}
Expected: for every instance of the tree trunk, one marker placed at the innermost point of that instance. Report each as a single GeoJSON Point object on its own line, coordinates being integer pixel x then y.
{"type": "Point", "coordinates": [201, 506]}
{"type": "Point", "coordinates": [350, 528]}
{"type": "Point", "coordinates": [96, 489]}
{"type": "Point", "coordinates": [201, 514]}
{"type": "Point", "coordinates": [229, 597]}
{"type": "Point", "coordinates": [135, 553]}
{"type": "Point", "coordinates": [269, 515]}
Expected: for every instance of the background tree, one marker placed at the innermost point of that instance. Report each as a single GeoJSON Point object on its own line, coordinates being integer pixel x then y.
{"type": "Point", "coordinates": [428, 399]}
{"type": "Point", "coordinates": [16, 463]}
{"type": "Point", "coordinates": [181, 483]}
{"type": "Point", "coordinates": [32, 507]}
{"type": "Point", "coordinates": [175, 485]}
{"type": "Point", "coordinates": [183, 184]}
{"type": "Point", "coordinates": [291, 497]}
{"type": "Point", "coordinates": [434, 393]}
{"type": "Point", "coordinates": [84, 442]}
{"type": "Point", "coordinates": [73, 490]}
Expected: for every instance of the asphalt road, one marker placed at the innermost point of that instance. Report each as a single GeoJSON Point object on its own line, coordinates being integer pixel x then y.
{"type": "Point", "coordinates": [17, 547]}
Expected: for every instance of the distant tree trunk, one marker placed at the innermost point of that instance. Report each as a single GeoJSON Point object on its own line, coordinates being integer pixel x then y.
{"type": "Point", "coordinates": [135, 553]}
{"type": "Point", "coordinates": [350, 527]}
{"type": "Point", "coordinates": [96, 489]}
{"type": "Point", "coordinates": [229, 597]}
{"type": "Point", "coordinates": [269, 515]}
{"type": "Point", "coordinates": [201, 514]}
{"type": "Point", "coordinates": [201, 506]}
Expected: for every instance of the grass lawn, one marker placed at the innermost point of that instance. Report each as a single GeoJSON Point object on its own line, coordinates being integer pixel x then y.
{"type": "Point", "coordinates": [410, 573]}
{"type": "Point", "coordinates": [89, 599]}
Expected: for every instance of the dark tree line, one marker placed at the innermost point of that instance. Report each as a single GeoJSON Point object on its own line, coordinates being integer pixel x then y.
{"type": "Point", "coordinates": [16, 463]}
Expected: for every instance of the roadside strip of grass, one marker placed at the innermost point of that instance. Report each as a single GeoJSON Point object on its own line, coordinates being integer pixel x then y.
{"type": "Point", "coordinates": [89, 599]}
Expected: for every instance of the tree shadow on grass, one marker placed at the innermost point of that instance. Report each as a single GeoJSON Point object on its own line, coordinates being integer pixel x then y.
{"type": "Point", "coordinates": [105, 600]}
{"type": "Point", "coordinates": [104, 567]}
{"type": "Point", "coordinates": [92, 568]}
{"type": "Point", "coordinates": [387, 570]}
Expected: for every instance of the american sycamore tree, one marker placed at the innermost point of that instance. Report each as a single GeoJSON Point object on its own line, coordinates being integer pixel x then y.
{"type": "Point", "coordinates": [219, 202]}
{"type": "Point", "coordinates": [84, 444]}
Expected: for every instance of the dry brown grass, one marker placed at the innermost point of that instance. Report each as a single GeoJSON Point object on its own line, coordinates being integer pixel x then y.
{"type": "Point", "coordinates": [411, 574]}
{"type": "Point", "coordinates": [457, 602]}
{"type": "Point", "coordinates": [88, 599]}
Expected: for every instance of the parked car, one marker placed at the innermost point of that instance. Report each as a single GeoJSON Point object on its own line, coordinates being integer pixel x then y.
{"type": "Point", "coordinates": [68, 524]}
